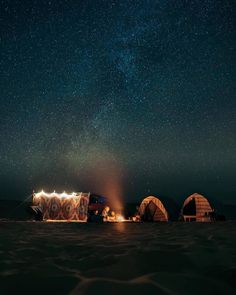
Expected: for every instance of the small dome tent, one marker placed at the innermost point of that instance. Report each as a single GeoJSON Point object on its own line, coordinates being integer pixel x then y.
{"type": "Point", "coordinates": [196, 208]}
{"type": "Point", "coordinates": [152, 209]}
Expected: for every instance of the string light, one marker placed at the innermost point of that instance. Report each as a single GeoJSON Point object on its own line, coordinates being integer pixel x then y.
{"type": "Point", "coordinates": [55, 194]}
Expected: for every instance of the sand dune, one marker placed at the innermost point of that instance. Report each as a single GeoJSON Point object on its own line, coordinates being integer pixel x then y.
{"type": "Point", "coordinates": [71, 258]}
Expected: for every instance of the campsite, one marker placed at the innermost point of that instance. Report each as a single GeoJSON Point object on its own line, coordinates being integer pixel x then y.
{"type": "Point", "coordinates": [86, 207]}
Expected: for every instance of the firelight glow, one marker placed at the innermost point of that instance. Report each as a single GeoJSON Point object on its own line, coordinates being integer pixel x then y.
{"type": "Point", "coordinates": [120, 218]}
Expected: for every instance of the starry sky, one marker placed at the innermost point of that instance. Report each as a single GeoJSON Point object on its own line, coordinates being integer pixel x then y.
{"type": "Point", "coordinates": [119, 97]}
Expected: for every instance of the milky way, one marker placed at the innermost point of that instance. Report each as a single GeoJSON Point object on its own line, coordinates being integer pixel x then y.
{"type": "Point", "coordinates": [134, 95]}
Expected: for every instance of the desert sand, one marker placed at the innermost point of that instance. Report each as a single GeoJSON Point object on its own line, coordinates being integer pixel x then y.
{"type": "Point", "coordinates": [120, 258]}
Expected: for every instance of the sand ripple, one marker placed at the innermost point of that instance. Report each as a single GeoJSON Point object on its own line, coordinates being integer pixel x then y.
{"type": "Point", "coordinates": [173, 258]}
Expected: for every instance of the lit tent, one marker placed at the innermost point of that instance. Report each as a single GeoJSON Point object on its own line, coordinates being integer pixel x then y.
{"type": "Point", "coordinates": [152, 209]}
{"type": "Point", "coordinates": [54, 206]}
{"type": "Point", "coordinates": [196, 208]}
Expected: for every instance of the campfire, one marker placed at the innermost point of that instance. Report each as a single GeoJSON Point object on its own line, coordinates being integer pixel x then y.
{"type": "Point", "coordinates": [115, 218]}
{"type": "Point", "coordinates": [120, 218]}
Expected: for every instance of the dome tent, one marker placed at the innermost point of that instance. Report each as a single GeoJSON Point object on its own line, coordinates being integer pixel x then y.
{"type": "Point", "coordinates": [196, 208]}
{"type": "Point", "coordinates": [152, 209]}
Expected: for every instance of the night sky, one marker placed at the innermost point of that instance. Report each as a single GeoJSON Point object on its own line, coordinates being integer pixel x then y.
{"type": "Point", "coordinates": [129, 98]}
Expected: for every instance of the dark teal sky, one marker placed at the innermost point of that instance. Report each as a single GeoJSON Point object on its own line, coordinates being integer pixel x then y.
{"type": "Point", "coordinates": [122, 97]}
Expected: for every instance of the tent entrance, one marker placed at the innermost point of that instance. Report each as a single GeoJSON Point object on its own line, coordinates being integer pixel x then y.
{"type": "Point", "coordinates": [150, 211]}
{"type": "Point", "coordinates": [190, 208]}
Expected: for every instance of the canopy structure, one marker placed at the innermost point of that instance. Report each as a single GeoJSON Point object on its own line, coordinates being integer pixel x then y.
{"type": "Point", "coordinates": [196, 208]}
{"type": "Point", "coordinates": [63, 206]}
{"type": "Point", "coordinates": [152, 209]}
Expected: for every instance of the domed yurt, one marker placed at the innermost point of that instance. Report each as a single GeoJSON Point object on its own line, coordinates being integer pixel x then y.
{"type": "Point", "coordinates": [196, 208]}
{"type": "Point", "coordinates": [152, 209]}
{"type": "Point", "coordinates": [67, 207]}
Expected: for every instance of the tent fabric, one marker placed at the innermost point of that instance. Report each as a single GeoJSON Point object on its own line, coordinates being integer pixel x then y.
{"type": "Point", "coordinates": [152, 209]}
{"type": "Point", "coordinates": [62, 206]}
{"type": "Point", "coordinates": [196, 207]}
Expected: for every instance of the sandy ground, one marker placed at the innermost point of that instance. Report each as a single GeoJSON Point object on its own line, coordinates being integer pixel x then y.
{"type": "Point", "coordinates": [71, 258]}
